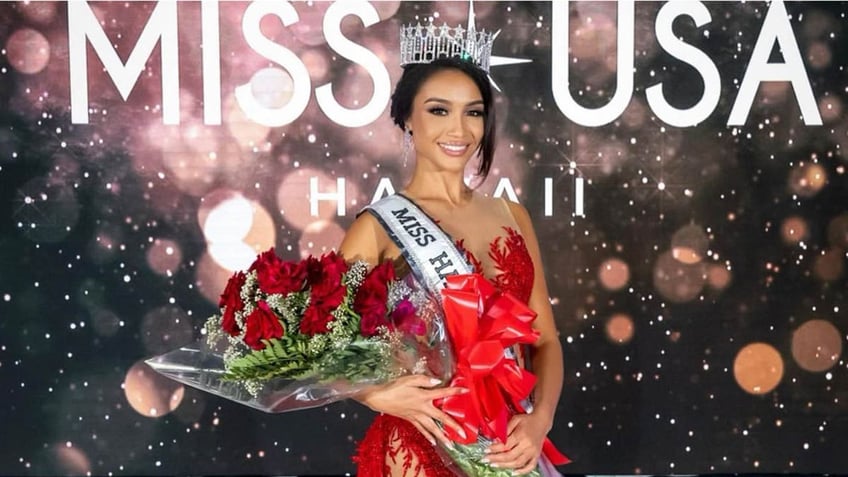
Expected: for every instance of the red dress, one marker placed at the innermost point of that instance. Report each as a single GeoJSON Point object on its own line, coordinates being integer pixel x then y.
{"type": "Point", "coordinates": [391, 438]}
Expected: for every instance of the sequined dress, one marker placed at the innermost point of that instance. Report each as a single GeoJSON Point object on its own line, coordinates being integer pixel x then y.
{"type": "Point", "coordinates": [392, 441]}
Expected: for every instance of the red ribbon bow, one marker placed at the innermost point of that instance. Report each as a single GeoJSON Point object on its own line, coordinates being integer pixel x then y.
{"type": "Point", "coordinates": [482, 323]}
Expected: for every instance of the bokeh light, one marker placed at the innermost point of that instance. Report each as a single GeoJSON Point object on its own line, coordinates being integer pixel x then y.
{"type": "Point", "coordinates": [309, 27]}
{"type": "Point", "coordinates": [28, 51]}
{"type": "Point", "coordinates": [816, 345]}
{"type": "Point", "coordinates": [272, 87]}
{"type": "Point", "coordinates": [164, 256]}
{"type": "Point", "coordinates": [830, 108]}
{"type": "Point", "coordinates": [676, 281]}
{"type": "Point", "coordinates": [619, 328]}
{"type": "Point", "coordinates": [70, 459]}
{"type": "Point", "coordinates": [248, 134]}
{"type": "Point", "coordinates": [837, 231]}
{"type": "Point", "coordinates": [38, 12]}
{"type": "Point", "coordinates": [829, 265]}
{"type": "Point", "coordinates": [150, 393]}
{"type": "Point", "coordinates": [758, 368]}
{"type": "Point", "coordinates": [819, 55]}
{"type": "Point", "coordinates": [191, 153]}
{"type": "Point", "coordinates": [689, 244]}
{"type": "Point", "coordinates": [807, 179]}
{"type": "Point", "coordinates": [317, 64]}
{"type": "Point", "coordinates": [211, 278]}
{"type": "Point", "coordinates": [718, 276]}
{"type": "Point", "coordinates": [794, 229]}
{"type": "Point", "coordinates": [320, 237]}
{"type": "Point", "coordinates": [593, 41]}
{"type": "Point", "coordinates": [236, 229]}
{"type": "Point", "coordinates": [614, 274]}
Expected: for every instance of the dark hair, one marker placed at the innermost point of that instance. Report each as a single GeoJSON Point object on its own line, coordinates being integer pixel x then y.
{"type": "Point", "coordinates": [415, 75]}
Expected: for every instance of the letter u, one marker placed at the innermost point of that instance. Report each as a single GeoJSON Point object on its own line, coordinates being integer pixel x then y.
{"type": "Point", "coordinates": [560, 60]}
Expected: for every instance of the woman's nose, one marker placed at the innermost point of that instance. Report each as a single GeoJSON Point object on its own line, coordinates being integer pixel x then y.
{"type": "Point", "coordinates": [456, 125]}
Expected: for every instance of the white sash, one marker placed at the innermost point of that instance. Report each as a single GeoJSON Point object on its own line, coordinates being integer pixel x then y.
{"type": "Point", "coordinates": [429, 251]}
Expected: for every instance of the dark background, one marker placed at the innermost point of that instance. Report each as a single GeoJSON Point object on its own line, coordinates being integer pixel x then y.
{"type": "Point", "coordinates": [88, 289]}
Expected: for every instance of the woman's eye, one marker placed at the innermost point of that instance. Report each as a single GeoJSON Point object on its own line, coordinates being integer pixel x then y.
{"type": "Point", "coordinates": [438, 111]}
{"type": "Point", "coordinates": [476, 112]}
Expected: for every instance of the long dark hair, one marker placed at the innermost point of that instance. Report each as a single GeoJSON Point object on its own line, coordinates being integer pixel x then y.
{"type": "Point", "coordinates": [416, 74]}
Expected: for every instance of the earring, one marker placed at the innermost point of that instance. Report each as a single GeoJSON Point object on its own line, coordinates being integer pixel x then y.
{"type": "Point", "coordinates": [407, 145]}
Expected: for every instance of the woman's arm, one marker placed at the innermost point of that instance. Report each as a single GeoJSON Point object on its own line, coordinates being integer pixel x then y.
{"type": "Point", "coordinates": [408, 397]}
{"type": "Point", "coordinates": [527, 432]}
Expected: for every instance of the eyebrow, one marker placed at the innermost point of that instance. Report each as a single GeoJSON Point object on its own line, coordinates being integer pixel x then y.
{"type": "Point", "coordinates": [445, 101]}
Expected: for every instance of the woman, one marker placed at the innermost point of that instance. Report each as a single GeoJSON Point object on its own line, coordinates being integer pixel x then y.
{"type": "Point", "coordinates": [447, 107]}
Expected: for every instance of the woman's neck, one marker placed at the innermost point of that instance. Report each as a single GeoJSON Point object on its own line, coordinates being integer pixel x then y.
{"type": "Point", "coordinates": [447, 188]}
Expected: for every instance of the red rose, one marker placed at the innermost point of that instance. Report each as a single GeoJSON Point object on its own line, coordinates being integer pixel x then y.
{"type": "Point", "coordinates": [324, 298]}
{"type": "Point", "coordinates": [370, 299]}
{"type": "Point", "coordinates": [327, 270]}
{"type": "Point", "coordinates": [231, 302]}
{"type": "Point", "coordinates": [315, 320]}
{"type": "Point", "coordinates": [326, 293]}
{"type": "Point", "coordinates": [277, 276]}
{"type": "Point", "coordinates": [261, 324]}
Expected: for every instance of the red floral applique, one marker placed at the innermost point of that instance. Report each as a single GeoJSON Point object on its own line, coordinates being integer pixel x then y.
{"type": "Point", "coordinates": [512, 261]}
{"type": "Point", "coordinates": [514, 264]}
{"type": "Point", "coordinates": [391, 438]}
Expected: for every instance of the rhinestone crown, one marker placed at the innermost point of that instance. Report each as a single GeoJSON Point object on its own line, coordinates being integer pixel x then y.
{"type": "Point", "coordinates": [419, 44]}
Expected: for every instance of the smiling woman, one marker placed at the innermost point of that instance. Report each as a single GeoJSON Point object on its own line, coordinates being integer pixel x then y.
{"type": "Point", "coordinates": [446, 111]}
{"type": "Point", "coordinates": [451, 126]}
{"type": "Point", "coordinates": [446, 98]}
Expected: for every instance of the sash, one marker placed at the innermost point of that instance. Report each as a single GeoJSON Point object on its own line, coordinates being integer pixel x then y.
{"type": "Point", "coordinates": [429, 251]}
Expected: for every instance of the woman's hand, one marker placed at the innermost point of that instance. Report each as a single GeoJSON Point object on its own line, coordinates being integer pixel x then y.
{"type": "Point", "coordinates": [525, 435]}
{"type": "Point", "coordinates": [411, 398]}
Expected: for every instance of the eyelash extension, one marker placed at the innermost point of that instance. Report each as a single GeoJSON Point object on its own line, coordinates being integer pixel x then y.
{"type": "Point", "coordinates": [443, 111]}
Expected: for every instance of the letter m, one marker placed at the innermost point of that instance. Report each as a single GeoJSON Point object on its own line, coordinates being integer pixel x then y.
{"type": "Point", "coordinates": [83, 25]}
{"type": "Point", "coordinates": [403, 215]}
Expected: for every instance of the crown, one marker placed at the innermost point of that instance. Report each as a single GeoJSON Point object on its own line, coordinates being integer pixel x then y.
{"type": "Point", "coordinates": [420, 44]}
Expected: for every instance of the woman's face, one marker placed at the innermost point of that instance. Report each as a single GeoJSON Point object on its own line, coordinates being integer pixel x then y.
{"type": "Point", "coordinates": [447, 121]}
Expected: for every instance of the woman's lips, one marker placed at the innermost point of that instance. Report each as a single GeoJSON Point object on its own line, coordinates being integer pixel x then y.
{"type": "Point", "coordinates": [453, 149]}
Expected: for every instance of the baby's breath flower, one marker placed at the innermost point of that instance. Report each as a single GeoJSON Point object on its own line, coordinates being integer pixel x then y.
{"type": "Point", "coordinates": [397, 291]}
{"type": "Point", "coordinates": [318, 344]}
{"type": "Point", "coordinates": [213, 329]}
{"type": "Point", "coordinates": [252, 386]}
{"type": "Point", "coordinates": [355, 275]}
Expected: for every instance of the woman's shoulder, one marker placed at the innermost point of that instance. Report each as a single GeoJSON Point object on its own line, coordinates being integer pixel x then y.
{"type": "Point", "coordinates": [517, 212]}
{"type": "Point", "coordinates": [364, 240]}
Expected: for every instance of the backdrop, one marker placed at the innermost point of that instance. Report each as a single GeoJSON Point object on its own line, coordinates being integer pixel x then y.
{"type": "Point", "coordinates": [683, 163]}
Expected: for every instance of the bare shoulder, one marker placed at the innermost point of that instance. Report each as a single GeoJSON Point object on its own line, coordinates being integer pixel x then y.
{"type": "Point", "coordinates": [520, 214]}
{"type": "Point", "coordinates": [364, 240]}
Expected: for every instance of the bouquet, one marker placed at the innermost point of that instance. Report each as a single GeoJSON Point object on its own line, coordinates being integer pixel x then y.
{"type": "Point", "coordinates": [292, 335]}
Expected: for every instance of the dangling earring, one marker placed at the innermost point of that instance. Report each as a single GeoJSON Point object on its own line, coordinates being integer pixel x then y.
{"type": "Point", "coordinates": [407, 145]}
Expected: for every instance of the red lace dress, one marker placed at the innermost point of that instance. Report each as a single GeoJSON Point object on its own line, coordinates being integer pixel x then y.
{"type": "Point", "coordinates": [391, 438]}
